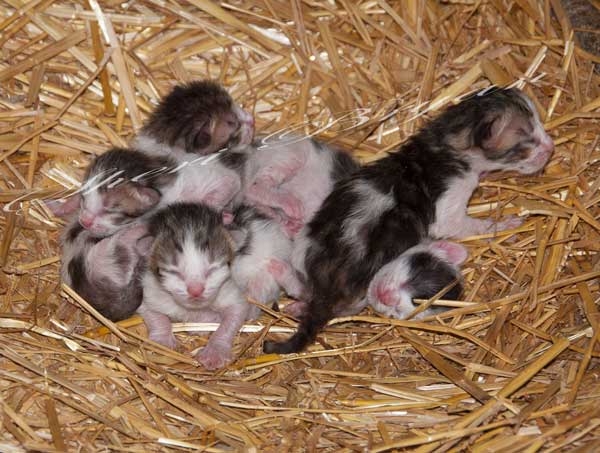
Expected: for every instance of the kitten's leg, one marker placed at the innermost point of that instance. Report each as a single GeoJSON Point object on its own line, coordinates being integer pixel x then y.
{"type": "Point", "coordinates": [204, 316]}
{"type": "Point", "coordinates": [468, 226]}
{"type": "Point", "coordinates": [286, 277]}
{"type": "Point", "coordinates": [217, 353]}
{"type": "Point", "coordinates": [159, 328]}
{"type": "Point", "coordinates": [297, 308]}
{"type": "Point", "coordinates": [451, 219]}
{"type": "Point", "coordinates": [266, 186]}
{"type": "Point", "coordinates": [275, 197]}
{"type": "Point", "coordinates": [218, 195]}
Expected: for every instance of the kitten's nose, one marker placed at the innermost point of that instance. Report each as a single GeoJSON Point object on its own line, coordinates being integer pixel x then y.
{"type": "Point", "coordinates": [86, 222]}
{"type": "Point", "coordinates": [195, 289]}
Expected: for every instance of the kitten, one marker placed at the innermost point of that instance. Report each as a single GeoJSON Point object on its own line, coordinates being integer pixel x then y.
{"type": "Point", "coordinates": [288, 181]}
{"type": "Point", "coordinates": [119, 187]}
{"type": "Point", "coordinates": [419, 273]}
{"type": "Point", "coordinates": [189, 279]}
{"type": "Point", "coordinates": [197, 118]}
{"type": "Point", "coordinates": [106, 272]}
{"type": "Point", "coordinates": [421, 190]}
{"type": "Point", "coordinates": [261, 265]}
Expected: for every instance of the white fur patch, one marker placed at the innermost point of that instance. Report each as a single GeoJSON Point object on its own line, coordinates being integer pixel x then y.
{"type": "Point", "coordinates": [451, 218]}
{"type": "Point", "coordinates": [250, 272]}
{"type": "Point", "coordinates": [371, 205]}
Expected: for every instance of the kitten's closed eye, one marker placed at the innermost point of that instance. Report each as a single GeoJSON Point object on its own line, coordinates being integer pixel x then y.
{"type": "Point", "coordinates": [170, 271]}
{"type": "Point", "coordinates": [214, 267]}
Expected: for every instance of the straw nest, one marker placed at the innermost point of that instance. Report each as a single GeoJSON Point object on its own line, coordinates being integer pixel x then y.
{"type": "Point", "coordinates": [513, 367]}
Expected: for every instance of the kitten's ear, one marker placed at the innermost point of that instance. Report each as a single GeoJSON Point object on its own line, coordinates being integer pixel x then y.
{"type": "Point", "coordinates": [490, 132]}
{"type": "Point", "coordinates": [146, 196]}
{"type": "Point", "coordinates": [64, 207]}
{"type": "Point", "coordinates": [143, 245]}
{"type": "Point", "coordinates": [449, 251]}
{"type": "Point", "coordinates": [200, 136]}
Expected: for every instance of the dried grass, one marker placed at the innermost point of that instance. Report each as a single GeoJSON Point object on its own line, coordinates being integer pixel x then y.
{"type": "Point", "coordinates": [512, 367]}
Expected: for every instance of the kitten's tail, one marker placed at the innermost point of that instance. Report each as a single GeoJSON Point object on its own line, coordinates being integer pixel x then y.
{"type": "Point", "coordinates": [316, 317]}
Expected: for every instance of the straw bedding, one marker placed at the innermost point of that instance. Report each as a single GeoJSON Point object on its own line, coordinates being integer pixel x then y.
{"type": "Point", "coordinates": [512, 367]}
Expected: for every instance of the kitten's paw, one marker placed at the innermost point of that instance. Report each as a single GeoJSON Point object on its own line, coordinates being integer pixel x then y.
{"type": "Point", "coordinates": [215, 356]}
{"type": "Point", "coordinates": [296, 309]}
{"type": "Point", "coordinates": [276, 267]}
{"type": "Point", "coordinates": [166, 339]}
{"type": "Point", "coordinates": [509, 223]}
{"type": "Point", "coordinates": [386, 294]}
{"type": "Point", "coordinates": [291, 227]}
{"type": "Point", "coordinates": [291, 206]}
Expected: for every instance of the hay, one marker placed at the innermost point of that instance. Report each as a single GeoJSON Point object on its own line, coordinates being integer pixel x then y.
{"type": "Point", "coordinates": [512, 367]}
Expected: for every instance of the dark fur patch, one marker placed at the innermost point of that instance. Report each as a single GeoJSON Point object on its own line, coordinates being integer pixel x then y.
{"type": "Point", "coordinates": [122, 258]}
{"type": "Point", "coordinates": [172, 225]}
{"type": "Point", "coordinates": [183, 118]}
{"type": "Point", "coordinates": [243, 217]}
{"type": "Point", "coordinates": [131, 163]}
{"type": "Point", "coordinates": [73, 231]}
{"type": "Point", "coordinates": [429, 275]}
{"type": "Point", "coordinates": [343, 165]}
{"type": "Point", "coordinates": [232, 160]}
{"type": "Point", "coordinates": [111, 301]}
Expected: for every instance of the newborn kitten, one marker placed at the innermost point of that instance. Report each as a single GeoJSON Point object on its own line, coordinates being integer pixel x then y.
{"type": "Point", "coordinates": [289, 181]}
{"type": "Point", "coordinates": [261, 264]}
{"type": "Point", "coordinates": [119, 186]}
{"type": "Point", "coordinates": [189, 280]}
{"type": "Point", "coordinates": [421, 190]}
{"type": "Point", "coordinates": [196, 118]}
{"type": "Point", "coordinates": [122, 186]}
{"type": "Point", "coordinates": [419, 273]}
{"type": "Point", "coordinates": [106, 272]}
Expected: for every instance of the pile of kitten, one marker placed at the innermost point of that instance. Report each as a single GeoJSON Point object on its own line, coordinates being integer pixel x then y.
{"type": "Point", "coordinates": [196, 217]}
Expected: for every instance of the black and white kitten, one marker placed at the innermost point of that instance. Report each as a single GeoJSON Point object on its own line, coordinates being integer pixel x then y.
{"type": "Point", "coordinates": [421, 190]}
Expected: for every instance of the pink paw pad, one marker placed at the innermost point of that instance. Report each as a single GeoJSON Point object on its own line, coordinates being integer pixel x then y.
{"type": "Point", "coordinates": [386, 295]}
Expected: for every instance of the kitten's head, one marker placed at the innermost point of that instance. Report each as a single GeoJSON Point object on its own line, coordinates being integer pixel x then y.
{"type": "Point", "coordinates": [502, 127]}
{"type": "Point", "coordinates": [420, 273]}
{"type": "Point", "coordinates": [115, 193]}
{"type": "Point", "coordinates": [200, 117]}
{"type": "Point", "coordinates": [191, 252]}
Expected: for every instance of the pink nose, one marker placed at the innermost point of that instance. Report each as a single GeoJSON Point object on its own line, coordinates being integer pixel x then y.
{"type": "Point", "coordinates": [195, 289]}
{"type": "Point", "coordinates": [86, 222]}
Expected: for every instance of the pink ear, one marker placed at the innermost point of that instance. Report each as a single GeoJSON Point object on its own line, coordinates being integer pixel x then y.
{"type": "Point", "coordinates": [64, 208]}
{"type": "Point", "coordinates": [450, 251]}
{"type": "Point", "coordinates": [498, 126]}
{"type": "Point", "coordinates": [147, 197]}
